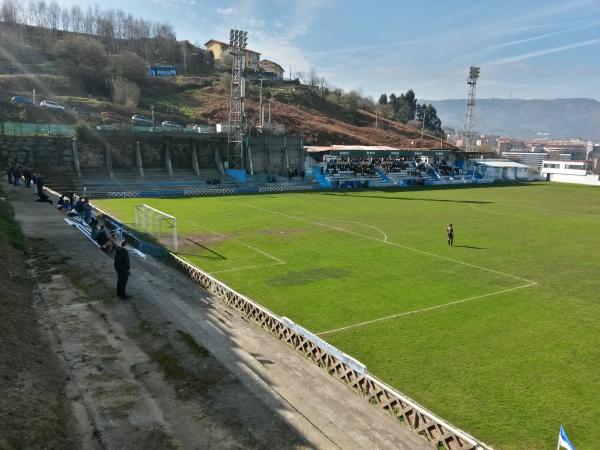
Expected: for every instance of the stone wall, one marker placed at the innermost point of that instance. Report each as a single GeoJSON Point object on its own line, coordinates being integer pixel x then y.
{"type": "Point", "coordinates": [37, 152]}
{"type": "Point", "coordinates": [274, 154]}
{"type": "Point", "coordinates": [269, 154]}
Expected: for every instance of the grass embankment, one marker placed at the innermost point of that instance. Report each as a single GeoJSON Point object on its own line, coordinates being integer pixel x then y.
{"type": "Point", "coordinates": [509, 362]}
{"type": "Point", "coordinates": [34, 412]}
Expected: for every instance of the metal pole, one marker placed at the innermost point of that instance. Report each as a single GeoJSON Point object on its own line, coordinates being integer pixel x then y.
{"type": "Point", "coordinates": [260, 107]}
{"type": "Point", "coordinates": [423, 129]}
{"type": "Point", "coordinates": [269, 114]}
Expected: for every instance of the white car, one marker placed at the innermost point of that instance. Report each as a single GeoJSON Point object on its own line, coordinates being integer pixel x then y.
{"type": "Point", "coordinates": [49, 104]}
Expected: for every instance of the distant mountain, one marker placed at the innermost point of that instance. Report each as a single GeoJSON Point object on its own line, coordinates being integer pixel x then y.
{"type": "Point", "coordinates": [559, 118]}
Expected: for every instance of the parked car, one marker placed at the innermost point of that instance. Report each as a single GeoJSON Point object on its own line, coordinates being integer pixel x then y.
{"type": "Point", "coordinates": [19, 100]}
{"type": "Point", "coordinates": [171, 125]}
{"type": "Point", "coordinates": [49, 104]}
{"type": "Point", "coordinates": [140, 119]}
{"type": "Point", "coordinates": [111, 116]}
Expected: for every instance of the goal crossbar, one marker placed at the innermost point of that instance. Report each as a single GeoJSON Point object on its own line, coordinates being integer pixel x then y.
{"type": "Point", "coordinates": [141, 218]}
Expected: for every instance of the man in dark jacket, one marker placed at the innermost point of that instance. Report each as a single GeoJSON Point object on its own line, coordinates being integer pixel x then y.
{"type": "Point", "coordinates": [122, 267]}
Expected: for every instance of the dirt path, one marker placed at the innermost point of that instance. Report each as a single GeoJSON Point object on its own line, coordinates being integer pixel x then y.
{"type": "Point", "coordinates": [136, 381]}
{"type": "Point", "coordinates": [175, 368]}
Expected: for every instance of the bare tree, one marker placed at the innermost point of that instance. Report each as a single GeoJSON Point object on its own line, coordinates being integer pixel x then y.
{"type": "Point", "coordinates": [313, 78]}
{"type": "Point", "coordinates": [125, 92]}
{"type": "Point", "coordinates": [41, 16]}
{"type": "Point", "coordinates": [10, 11]}
{"type": "Point", "coordinates": [89, 21]}
{"type": "Point", "coordinates": [53, 14]}
{"type": "Point", "coordinates": [65, 19]}
{"type": "Point", "coordinates": [77, 19]}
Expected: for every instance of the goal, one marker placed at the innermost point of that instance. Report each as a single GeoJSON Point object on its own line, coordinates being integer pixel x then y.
{"type": "Point", "coordinates": [161, 226]}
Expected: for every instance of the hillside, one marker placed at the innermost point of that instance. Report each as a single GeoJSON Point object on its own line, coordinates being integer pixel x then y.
{"type": "Point", "coordinates": [47, 65]}
{"type": "Point", "coordinates": [558, 118]}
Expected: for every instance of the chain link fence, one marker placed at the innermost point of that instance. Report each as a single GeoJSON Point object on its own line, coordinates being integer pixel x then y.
{"type": "Point", "coordinates": [36, 129]}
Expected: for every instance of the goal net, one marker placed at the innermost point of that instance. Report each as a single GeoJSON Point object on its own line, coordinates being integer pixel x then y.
{"type": "Point", "coordinates": [161, 226]}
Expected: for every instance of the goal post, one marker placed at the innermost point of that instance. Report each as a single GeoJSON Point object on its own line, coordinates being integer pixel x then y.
{"type": "Point", "coordinates": [160, 225]}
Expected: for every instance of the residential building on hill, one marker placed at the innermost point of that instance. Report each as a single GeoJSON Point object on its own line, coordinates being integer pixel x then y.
{"type": "Point", "coordinates": [220, 51]}
{"type": "Point", "coordinates": [271, 67]}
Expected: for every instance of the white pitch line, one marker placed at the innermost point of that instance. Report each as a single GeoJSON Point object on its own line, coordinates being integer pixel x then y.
{"type": "Point", "coordinates": [262, 252]}
{"type": "Point", "coordinates": [487, 211]}
{"type": "Point", "coordinates": [385, 236]}
{"type": "Point", "coordinates": [430, 308]}
{"type": "Point", "coordinates": [423, 252]}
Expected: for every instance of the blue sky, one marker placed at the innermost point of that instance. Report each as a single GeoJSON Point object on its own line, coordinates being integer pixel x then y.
{"type": "Point", "coordinates": [526, 48]}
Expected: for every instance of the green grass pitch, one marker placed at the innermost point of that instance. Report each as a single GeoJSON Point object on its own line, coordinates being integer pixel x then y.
{"type": "Point", "coordinates": [500, 334]}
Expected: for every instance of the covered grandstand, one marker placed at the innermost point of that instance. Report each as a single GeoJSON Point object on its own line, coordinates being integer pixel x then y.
{"type": "Point", "coordinates": [350, 166]}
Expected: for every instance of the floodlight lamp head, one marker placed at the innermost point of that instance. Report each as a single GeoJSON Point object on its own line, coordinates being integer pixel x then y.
{"type": "Point", "coordinates": [474, 72]}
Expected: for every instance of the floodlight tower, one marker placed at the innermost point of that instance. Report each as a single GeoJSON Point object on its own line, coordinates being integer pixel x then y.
{"type": "Point", "coordinates": [471, 102]}
{"type": "Point", "coordinates": [235, 135]}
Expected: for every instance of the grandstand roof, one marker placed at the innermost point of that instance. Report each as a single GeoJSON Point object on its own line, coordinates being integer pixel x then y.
{"type": "Point", "coordinates": [500, 164]}
{"type": "Point", "coordinates": [336, 148]}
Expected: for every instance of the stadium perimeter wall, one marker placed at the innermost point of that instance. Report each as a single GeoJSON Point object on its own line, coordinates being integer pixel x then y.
{"type": "Point", "coordinates": [103, 152]}
{"type": "Point", "coordinates": [407, 411]}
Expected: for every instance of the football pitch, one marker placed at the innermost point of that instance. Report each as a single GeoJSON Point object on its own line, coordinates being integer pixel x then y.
{"type": "Point", "coordinates": [500, 334]}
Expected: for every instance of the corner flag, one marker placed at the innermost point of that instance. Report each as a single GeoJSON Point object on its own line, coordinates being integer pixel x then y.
{"type": "Point", "coordinates": [563, 440]}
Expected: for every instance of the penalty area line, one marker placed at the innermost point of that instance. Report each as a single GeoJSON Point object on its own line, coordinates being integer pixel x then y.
{"type": "Point", "coordinates": [262, 252]}
{"type": "Point", "coordinates": [430, 308]}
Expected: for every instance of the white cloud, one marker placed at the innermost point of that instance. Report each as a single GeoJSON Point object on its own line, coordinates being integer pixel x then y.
{"type": "Point", "coordinates": [276, 38]}
{"type": "Point", "coordinates": [547, 51]}
{"type": "Point", "coordinates": [226, 12]}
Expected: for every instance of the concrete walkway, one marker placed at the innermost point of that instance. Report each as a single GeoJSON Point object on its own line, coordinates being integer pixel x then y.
{"type": "Point", "coordinates": [326, 413]}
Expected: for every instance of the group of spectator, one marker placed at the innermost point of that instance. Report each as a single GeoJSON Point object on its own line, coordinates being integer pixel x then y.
{"type": "Point", "coordinates": [81, 207]}
{"type": "Point", "coordinates": [368, 166]}
{"type": "Point", "coordinates": [18, 174]}
{"type": "Point", "coordinates": [293, 172]}
{"type": "Point", "coordinates": [355, 166]}
{"type": "Point", "coordinates": [99, 233]}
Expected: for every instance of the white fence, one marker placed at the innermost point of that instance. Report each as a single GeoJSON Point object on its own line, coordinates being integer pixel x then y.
{"type": "Point", "coordinates": [407, 411]}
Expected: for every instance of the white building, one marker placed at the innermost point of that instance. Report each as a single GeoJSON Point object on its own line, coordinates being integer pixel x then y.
{"type": "Point", "coordinates": [501, 169]}
{"type": "Point", "coordinates": [569, 172]}
{"type": "Point", "coordinates": [532, 159]}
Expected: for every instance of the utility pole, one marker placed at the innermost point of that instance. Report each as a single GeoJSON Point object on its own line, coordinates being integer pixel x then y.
{"type": "Point", "coordinates": [260, 108]}
{"type": "Point", "coordinates": [423, 128]}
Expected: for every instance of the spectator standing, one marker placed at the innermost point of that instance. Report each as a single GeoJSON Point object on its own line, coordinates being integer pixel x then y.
{"type": "Point", "coordinates": [17, 176]}
{"type": "Point", "coordinates": [9, 173]}
{"type": "Point", "coordinates": [40, 184]}
{"type": "Point", "coordinates": [87, 211]}
{"type": "Point", "coordinates": [123, 267]}
{"type": "Point", "coordinates": [79, 206]}
{"type": "Point", "coordinates": [27, 176]}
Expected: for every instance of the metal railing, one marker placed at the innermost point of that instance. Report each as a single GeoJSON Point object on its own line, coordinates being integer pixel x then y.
{"type": "Point", "coordinates": [156, 129]}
